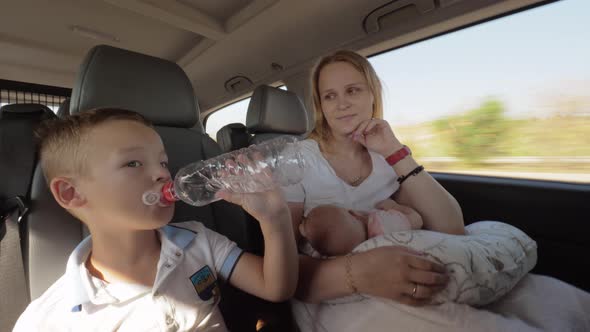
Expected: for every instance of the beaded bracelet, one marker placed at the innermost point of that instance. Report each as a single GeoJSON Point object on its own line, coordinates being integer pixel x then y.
{"type": "Point", "coordinates": [415, 171]}
{"type": "Point", "coordinates": [349, 280]}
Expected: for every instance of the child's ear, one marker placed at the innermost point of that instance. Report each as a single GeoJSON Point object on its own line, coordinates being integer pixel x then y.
{"type": "Point", "coordinates": [65, 193]}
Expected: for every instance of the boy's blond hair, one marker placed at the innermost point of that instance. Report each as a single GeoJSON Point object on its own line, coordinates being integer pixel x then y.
{"type": "Point", "coordinates": [61, 141]}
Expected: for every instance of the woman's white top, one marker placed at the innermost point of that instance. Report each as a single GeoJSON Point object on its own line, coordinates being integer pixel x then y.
{"type": "Point", "coordinates": [321, 185]}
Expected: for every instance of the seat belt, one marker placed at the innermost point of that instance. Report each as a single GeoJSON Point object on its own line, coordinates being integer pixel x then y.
{"type": "Point", "coordinates": [17, 158]}
{"type": "Point", "coordinates": [15, 205]}
{"type": "Point", "coordinates": [14, 295]}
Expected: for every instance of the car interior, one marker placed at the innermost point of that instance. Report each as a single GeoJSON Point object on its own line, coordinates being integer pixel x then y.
{"type": "Point", "coordinates": [177, 62]}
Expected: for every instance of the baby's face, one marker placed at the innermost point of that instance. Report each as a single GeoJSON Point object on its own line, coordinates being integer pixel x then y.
{"type": "Point", "coordinates": [125, 159]}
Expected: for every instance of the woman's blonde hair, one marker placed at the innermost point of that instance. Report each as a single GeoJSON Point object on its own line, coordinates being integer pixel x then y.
{"type": "Point", "coordinates": [322, 132]}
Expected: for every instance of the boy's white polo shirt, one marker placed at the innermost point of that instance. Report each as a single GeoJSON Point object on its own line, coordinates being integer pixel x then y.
{"type": "Point", "coordinates": [184, 296]}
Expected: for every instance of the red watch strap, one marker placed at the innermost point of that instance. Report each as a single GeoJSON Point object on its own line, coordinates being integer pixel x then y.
{"type": "Point", "coordinates": [398, 155]}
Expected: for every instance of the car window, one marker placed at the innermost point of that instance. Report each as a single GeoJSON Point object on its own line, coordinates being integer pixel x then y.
{"type": "Point", "coordinates": [12, 92]}
{"type": "Point", "coordinates": [510, 97]}
{"type": "Point", "coordinates": [232, 113]}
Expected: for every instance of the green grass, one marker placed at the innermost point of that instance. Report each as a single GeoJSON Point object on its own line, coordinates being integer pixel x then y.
{"type": "Point", "coordinates": [552, 137]}
{"type": "Point", "coordinates": [558, 136]}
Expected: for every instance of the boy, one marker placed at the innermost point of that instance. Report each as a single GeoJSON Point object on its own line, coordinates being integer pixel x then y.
{"type": "Point", "coordinates": [135, 272]}
{"type": "Point", "coordinates": [335, 231]}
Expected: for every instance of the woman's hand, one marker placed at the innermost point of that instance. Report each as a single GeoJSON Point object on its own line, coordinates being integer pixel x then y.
{"type": "Point", "coordinates": [376, 135]}
{"type": "Point", "coordinates": [398, 273]}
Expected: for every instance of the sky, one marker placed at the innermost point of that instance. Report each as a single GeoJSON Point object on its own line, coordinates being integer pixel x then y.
{"type": "Point", "coordinates": [525, 60]}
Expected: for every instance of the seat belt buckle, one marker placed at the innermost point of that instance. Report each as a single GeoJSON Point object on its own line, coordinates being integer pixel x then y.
{"type": "Point", "coordinates": [11, 205]}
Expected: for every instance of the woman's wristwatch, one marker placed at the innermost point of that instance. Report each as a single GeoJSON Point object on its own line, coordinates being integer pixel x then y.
{"type": "Point", "coordinates": [398, 155]}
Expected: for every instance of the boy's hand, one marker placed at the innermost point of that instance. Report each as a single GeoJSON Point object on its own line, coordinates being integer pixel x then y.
{"type": "Point", "coordinates": [264, 206]}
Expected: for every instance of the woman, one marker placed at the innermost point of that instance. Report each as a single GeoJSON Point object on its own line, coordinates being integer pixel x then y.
{"type": "Point", "coordinates": [354, 160]}
{"type": "Point", "coordinates": [349, 147]}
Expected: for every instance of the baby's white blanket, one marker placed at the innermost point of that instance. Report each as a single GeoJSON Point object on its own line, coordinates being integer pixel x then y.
{"type": "Point", "coordinates": [537, 303]}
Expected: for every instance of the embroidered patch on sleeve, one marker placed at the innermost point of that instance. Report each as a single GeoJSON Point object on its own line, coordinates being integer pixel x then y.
{"type": "Point", "coordinates": [205, 284]}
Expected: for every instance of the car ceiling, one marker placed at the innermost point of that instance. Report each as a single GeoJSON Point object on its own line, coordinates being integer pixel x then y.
{"type": "Point", "coordinates": [44, 41]}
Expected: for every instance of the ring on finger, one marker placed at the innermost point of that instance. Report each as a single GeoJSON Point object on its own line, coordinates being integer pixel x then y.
{"type": "Point", "coordinates": [414, 290]}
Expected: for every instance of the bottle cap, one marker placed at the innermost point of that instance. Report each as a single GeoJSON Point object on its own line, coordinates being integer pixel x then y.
{"type": "Point", "coordinates": [168, 194]}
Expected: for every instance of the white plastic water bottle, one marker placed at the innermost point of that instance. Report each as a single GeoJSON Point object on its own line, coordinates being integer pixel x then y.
{"type": "Point", "coordinates": [253, 169]}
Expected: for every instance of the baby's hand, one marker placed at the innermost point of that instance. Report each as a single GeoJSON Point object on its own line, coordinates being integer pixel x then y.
{"type": "Point", "coordinates": [387, 204]}
{"type": "Point", "coordinates": [413, 216]}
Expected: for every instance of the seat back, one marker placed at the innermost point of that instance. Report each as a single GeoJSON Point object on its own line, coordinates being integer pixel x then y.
{"type": "Point", "coordinates": [161, 92]}
{"type": "Point", "coordinates": [273, 112]}
{"type": "Point", "coordinates": [64, 108]}
{"type": "Point", "coordinates": [18, 155]}
{"type": "Point", "coordinates": [17, 145]}
{"type": "Point", "coordinates": [233, 136]}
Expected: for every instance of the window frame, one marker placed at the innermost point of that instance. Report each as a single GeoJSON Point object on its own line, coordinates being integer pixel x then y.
{"type": "Point", "coordinates": [477, 173]}
{"type": "Point", "coordinates": [279, 85]}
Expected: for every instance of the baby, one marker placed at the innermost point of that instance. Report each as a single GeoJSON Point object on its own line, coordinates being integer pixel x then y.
{"type": "Point", "coordinates": [335, 231]}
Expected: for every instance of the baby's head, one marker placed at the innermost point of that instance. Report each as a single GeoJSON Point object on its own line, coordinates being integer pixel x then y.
{"type": "Point", "coordinates": [332, 230]}
{"type": "Point", "coordinates": [336, 213]}
{"type": "Point", "coordinates": [99, 163]}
